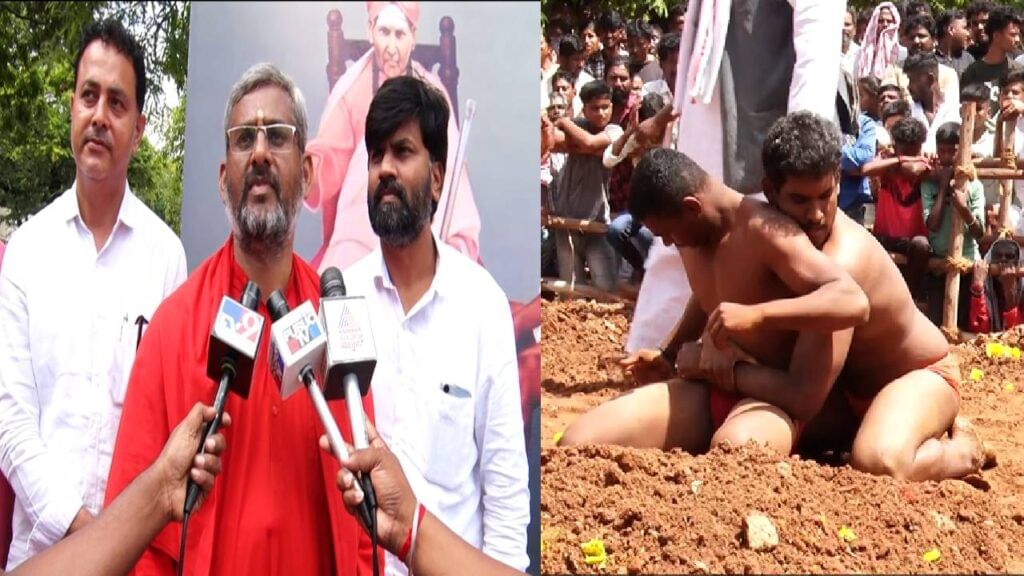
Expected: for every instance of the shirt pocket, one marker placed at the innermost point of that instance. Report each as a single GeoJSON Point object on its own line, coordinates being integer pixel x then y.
{"type": "Point", "coordinates": [450, 449]}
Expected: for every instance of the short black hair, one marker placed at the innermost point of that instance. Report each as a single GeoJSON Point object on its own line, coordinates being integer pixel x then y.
{"type": "Point", "coordinates": [661, 181]}
{"type": "Point", "coordinates": [976, 92]}
{"type": "Point", "coordinates": [895, 108]}
{"type": "Point", "coordinates": [1015, 75]}
{"type": "Point", "coordinates": [922, 62]}
{"type": "Point", "coordinates": [915, 7]}
{"type": "Point", "coordinates": [999, 18]}
{"type": "Point", "coordinates": [870, 84]}
{"type": "Point", "coordinates": [401, 99]}
{"type": "Point", "coordinates": [587, 22]}
{"type": "Point", "coordinates": [919, 21]}
{"type": "Point", "coordinates": [945, 19]}
{"type": "Point", "coordinates": [610, 20]}
{"type": "Point", "coordinates": [641, 28]}
{"type": "Point", "coordinates": [668, 44]}
{"type": "Point", "coordinates": [616, 61]}
{"type": "Point", "coordinates": [909, 132]}
{"type": "Point", "coordinates": [562, 75]}
{"type": "Point", "coordinates": [570, 45]}
{"type": "Point", "coordinates": [678, 9]}
{"type": "Point", "coordinates": [651, 105]}
{"type": "Point", "coordinates": [948, 133]}
{"type": "Point", "coordinates": [800, 144]}
{"type": "Point", "coordinates": [113, 34]}
{"type": "Point", "coordinates": [978, 7]}
{"type": "Point", "coordinates": [595, 89]}
{"type": "Point", "coordinates": [560, 23]}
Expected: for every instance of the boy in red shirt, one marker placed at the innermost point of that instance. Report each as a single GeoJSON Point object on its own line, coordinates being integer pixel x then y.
{"type": "Point", "coordinates": [899, 221]}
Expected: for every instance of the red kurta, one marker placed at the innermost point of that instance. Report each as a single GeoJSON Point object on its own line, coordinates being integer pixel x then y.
{"type": "Point", "coordinates": [275, 508]}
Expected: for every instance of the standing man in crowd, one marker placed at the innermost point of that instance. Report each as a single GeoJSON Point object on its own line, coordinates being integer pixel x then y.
{"type": "Point", "coordinates": [64, 363]}
{"type": "Point", "coordinates": [446, 383]}
{"type": "Point", "coordinates": [275, 511]}
{"type": "Point", "coordinates": [953, 40]}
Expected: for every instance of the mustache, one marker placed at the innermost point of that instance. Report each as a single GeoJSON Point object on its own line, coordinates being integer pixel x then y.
{"type": "Point", "coordinates": [390, 186]}
{"type": "Point", "coordinates": [260, 174]}
{"type": "Point", "coordinates": [100, 137]}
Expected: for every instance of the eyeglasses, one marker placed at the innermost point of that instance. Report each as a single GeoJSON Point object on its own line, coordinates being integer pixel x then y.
{"type": "Point", "coordinates": [242, 139]}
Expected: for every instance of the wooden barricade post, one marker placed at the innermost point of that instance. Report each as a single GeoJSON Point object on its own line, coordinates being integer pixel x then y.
{"type": "Point", "coordinates": [956, 243]}
{"type": "Point", "coordinates": [1004, 150]}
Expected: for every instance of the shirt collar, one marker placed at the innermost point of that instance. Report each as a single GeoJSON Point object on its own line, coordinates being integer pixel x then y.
{"type": "Point", "coordinates": [438, 285]}
{"type": "Point", "coordinates": [128, 214]}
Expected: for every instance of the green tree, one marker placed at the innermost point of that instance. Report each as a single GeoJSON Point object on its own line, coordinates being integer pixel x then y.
{"type": "Point", "coordinates": [38, 44]}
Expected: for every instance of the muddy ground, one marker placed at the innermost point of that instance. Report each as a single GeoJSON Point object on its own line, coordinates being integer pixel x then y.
{"type": "Point", "coordinates": [658, 512]}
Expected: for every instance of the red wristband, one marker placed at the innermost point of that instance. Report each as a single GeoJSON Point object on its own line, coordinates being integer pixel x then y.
{"type": "Point", "coordinates": [410, 538]}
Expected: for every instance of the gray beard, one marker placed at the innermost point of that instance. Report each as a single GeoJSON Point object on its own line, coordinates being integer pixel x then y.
{"type": "Point", "coordinates": [264, 234]}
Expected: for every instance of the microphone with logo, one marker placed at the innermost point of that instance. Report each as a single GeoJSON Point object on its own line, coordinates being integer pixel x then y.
{"type": "Point", "coordinates": [297, 349]}
{"type": "Point", "coordinates": [234, 343]}
{"type": "Point", "coordinates": [349, 361]}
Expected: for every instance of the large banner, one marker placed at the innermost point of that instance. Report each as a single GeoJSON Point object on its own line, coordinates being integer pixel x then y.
{"type": "Point", "coordinates": [471, 51]}
{"type": "Point", "coordinates": [494, 43]}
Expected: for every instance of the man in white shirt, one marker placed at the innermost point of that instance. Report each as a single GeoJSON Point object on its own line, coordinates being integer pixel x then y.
{"type": "Point", "coordinates": [929, 103]}
{"type": "Point", "coordinates": [79, 282]}
{"type": "Point", "coordinates": [446, 391]}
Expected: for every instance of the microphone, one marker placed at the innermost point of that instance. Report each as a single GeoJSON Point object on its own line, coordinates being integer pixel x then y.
{"type": "Point", "coordinates": [297, 343]}
{"type": "Point", "coordinates": [234, 342]}
{"type": "Point", "coordinates": [348, 361]}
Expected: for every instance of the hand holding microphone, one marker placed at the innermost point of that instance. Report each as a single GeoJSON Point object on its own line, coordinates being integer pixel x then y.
{"type": "Point", "coordinates": [297, 351]}
{"type": "Point", "coordinates": [234, 341]}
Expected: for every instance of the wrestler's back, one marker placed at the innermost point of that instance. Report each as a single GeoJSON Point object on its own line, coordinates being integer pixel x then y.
{"type": "Point", "coordinates": [897, 338]}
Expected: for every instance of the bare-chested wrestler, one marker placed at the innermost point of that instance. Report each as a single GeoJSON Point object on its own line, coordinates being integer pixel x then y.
{"type": "Point", "coordinates": [757, 280]}
{"type": "Point", "coordinates": [897, 395]}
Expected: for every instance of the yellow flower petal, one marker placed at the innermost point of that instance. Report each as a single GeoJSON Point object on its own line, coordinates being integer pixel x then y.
{"type": "Point", "coordinates": [932, 555]}
{"type": "Point", "coordinates": [976, 374]}
{"type": "Point", "coordinates": [1008, 386]}
{"type": "Point", "coordinates": [1015, 353]}
{"type": "Point", "coordinates": [558, 436]}
{"type": "Point", "coordinates": [993, 349]}
{"type": "Point", "coordinates": [594, 552]}
{"type": "Point", "coordinates": [846, 534]}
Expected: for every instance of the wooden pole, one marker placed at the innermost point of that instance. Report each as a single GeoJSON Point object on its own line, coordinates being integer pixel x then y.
{"type": "Point", "coordinates": [1000, 174]}
{"type": "Point", "coordinates": [1004, 149]}
{"type": "Point", "coordinates": [956, 243]}
{"type": "Point", "coordinates": [574, 224]}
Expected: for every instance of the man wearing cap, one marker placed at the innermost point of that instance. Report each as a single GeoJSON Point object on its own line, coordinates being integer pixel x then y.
{"type": "Point", "coordinates": [339, 151]}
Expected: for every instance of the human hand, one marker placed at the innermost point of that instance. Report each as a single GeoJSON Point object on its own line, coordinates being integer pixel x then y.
{"type": "Point", "coordinates": [688, 361]}
{"type": "Point", "coordinates": [647, 366]}
{"type": "Point", "coordinates": [178, 461]}
{"type": "Point", "coordinates": [729, 317]}
{"type": "Point", "coordinates": [396, 502]}
{"type": "Point", "coordinates": [1011, 109]}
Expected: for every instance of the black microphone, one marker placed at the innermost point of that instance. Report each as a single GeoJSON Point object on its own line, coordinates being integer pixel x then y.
{"type": "Point", "coordinates": [297, 345]}
{"type": "Point", "coordinates": [234, 342]}
{"type": "Point", "coordinates": [349, 361]}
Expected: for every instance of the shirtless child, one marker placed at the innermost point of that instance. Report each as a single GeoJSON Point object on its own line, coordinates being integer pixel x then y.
{"type": "Point", "coordinates": [757, 279]}
{"type": "Point", "coordinates": [893, 361]}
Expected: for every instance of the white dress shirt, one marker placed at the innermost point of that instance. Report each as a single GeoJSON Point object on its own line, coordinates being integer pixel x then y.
{"type": "Point", "coordinates": [948, 111]}
{"type": "Point", "coordinates": [68, 323]}
{"type": "Point", "coordinates": [446, 400]}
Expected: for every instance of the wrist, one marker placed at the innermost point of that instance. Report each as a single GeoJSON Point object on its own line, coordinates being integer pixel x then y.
{"type": "Point", "coordinates": [668, 355]}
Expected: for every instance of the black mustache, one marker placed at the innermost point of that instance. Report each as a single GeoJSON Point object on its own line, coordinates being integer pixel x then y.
{"type": "Point", "coordinates": [390, 186]}
{"type": "Point", "coordinates": [101, 138]}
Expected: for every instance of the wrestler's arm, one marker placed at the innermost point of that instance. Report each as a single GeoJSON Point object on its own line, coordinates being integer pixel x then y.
{"type": "Point", "coordinates": [802, 389]}
{"type": "Point", "coordinates": [829, 298]}
{"type": "Point", "coordinates": [114, 541]}
{"type": "Point", "coordinates": [689, 328]}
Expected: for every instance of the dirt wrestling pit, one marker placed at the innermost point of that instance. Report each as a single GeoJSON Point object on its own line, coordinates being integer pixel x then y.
{"type": "Point", "coordinates": [618, 510]}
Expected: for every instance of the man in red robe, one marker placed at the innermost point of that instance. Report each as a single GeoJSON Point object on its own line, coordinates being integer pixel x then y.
{"type": "Point", "coordinates": [274, 509]}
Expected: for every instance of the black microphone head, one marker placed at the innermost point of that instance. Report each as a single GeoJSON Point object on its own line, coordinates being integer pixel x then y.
{"type": "Point", "coordinates": [251, 295]}
{"type": "Point", "coordinates": [277, 305]}
{"type": "Point", "coordinates": [332, 284]}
